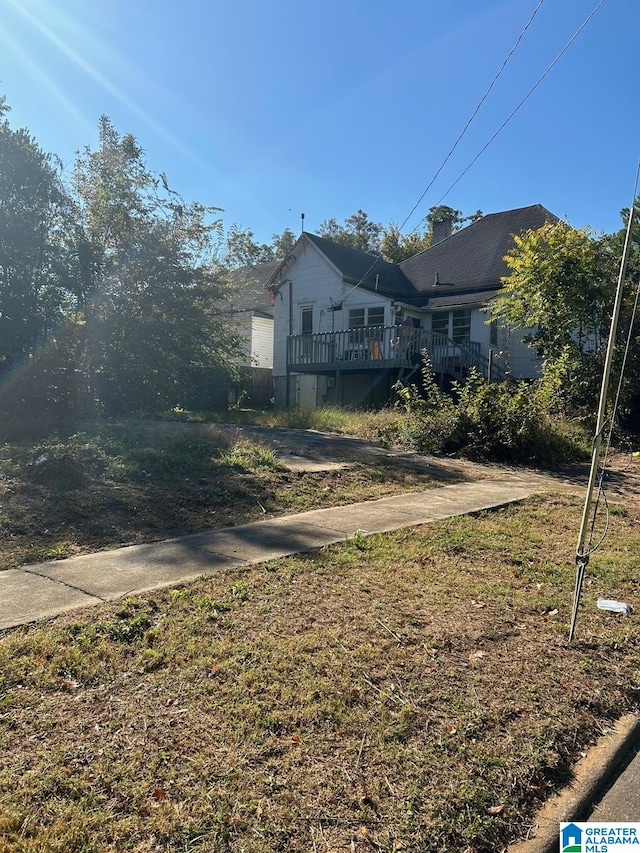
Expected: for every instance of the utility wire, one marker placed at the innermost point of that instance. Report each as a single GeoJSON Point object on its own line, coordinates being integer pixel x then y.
{"type": "Point", "coordinates": [525, 99]}
{"type": "Point", "coordinates": [473, 115]}
{"type": "Point", "coordinates": [459, 139]}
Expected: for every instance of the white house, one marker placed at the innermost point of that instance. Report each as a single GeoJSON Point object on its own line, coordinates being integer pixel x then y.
{"type": "Point", "coordinates": [348, 325]}
{"type": "Point", "coordinates": [251, 312]}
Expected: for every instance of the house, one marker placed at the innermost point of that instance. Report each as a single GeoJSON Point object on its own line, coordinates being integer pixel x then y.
{"type": "Point", "coordinates": [571, 838]}
{"type": "Point", "coordinates": [348, 325]}
{"type": "Point", "coordinates": [250, 310]}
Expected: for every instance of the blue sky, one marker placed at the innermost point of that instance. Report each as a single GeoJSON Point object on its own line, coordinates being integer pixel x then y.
{"type": "Point", "coordinates": [268, 108]}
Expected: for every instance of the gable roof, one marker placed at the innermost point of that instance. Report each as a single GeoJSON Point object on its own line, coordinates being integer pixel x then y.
{"type": "Point", "coordinates": [473, 259]}
{"type": "Point", "coordinates": [357, 267]}
{"type": "Point", "coordinates": [250, 288]}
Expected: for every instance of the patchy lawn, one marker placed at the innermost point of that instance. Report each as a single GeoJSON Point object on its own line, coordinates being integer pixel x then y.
{"type": "Point", "coordinates": [72, 492]}
{"type": "Point", "coordinates": [412, 691]}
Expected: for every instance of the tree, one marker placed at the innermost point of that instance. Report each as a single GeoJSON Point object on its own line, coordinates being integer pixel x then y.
{"type": "Point", "coordinates": [396, 247]}
{"type": "Point", "coordinates": [358, 232]}
{"type": "Point", "coordinates": [561, 290]}
{"type": "Point", "coordinates": [560, 286]}
{"type": "Point", "coordinates": [282, 244]}
{"type": "Point", "coordinates": [243, 250]}
{"type": "Point", "coordinates": [145, 283]}
{"type": "Point", "coordinates": [32, 200]}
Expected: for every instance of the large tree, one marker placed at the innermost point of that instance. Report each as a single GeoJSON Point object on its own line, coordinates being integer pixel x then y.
{"type": "Point", "coordinates": [145, 283]}
{"type": "Point", "coordinates": [560, 287]}
{"type": "Point", "coordinates": [357, 232]}
{"type": "Point", "coordinates": [32, 201]}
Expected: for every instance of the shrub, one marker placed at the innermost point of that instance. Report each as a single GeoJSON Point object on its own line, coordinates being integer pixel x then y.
{"type": "Point", "coordinates": [501, 422]}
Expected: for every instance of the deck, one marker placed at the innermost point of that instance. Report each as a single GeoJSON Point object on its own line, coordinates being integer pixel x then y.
{"type": "Point", "coordinates": [384, 347]}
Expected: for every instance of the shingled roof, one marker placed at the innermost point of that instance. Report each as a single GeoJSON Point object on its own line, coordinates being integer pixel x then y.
{"type": "Point", "coordinates": [472, 259]}
{"type": "Point", "coordinates": [250, 288]}
{"type": "Point", "coordinates": [364, 269]}
{"type": "Point", "coordinates": [464, 269]}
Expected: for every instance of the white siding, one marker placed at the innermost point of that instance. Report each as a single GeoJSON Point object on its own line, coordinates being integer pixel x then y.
{"type": "Point", "coordinates": [523, 361]}
{"type": "Point", "coordinates": [315, 284]}
{"type": "Point", "coordinates": [261, 342]}
{"type": "Point", "coordinates": [242, 322]}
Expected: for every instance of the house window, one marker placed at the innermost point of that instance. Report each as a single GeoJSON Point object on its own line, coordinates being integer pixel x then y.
{"type": "Point", "coordinates": [359, 317]}
{"type": "Point", "coordinates": [440, 323]}
{"type": "Point", "coordinates": [461, 325]}
{"type": "Point", "coordinates": [306, 321]}
{"type": "Point", "coordinates": [376, 316]}
{"type": "Point", "coordinates": [453, 324]}
{"type": "Point", "coordinates": [356, 318]}
{"type": "Point", "coordinates": [493, 333]}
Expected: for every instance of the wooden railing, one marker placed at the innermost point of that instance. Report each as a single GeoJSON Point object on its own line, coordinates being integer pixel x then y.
{"type": "Point", "coordinates": [371, 347]}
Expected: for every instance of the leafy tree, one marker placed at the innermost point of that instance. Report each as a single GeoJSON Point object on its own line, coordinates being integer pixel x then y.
{"type": "Point", "coordinates": [243, 250]}
{"type": "Point", "coordinates": [396, 247]}
{"type": "Point", "coordinates": [560, 286]}
{"type": "Point", "coordinates": [282, 244]}
{"type": "Point", "coordinates": [357, 232]}
{"type": "Point", "coordinates": [32, 200]}
{"type": "Point", "coordinates": [144, 279]}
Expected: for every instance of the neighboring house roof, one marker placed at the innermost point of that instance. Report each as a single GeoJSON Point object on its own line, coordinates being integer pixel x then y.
{"type": "Point", "coordinates": [250, 288]}
{"type": "Point", "coordinates": [464, 269]}
{"type": "Point", "coordinates": [472, 259]}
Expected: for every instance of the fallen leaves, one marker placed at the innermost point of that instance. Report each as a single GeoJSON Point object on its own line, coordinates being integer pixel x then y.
{"type": "Point", "coordinates": [494, 810]}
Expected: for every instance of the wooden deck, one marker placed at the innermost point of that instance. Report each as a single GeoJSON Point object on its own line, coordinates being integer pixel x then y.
{"type": "Point", "coordinates": [383, 347]}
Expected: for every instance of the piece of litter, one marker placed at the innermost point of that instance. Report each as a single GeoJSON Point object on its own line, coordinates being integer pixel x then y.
{"type": "Point", "coordinates": [41, 459]}
{"type": "Point", "coordinates": [614, 606]}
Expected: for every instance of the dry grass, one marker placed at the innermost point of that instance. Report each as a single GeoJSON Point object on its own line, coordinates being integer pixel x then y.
{"type": "Point", "coordinates": [405, 692]}
{"type": "Point", "coordinates": [71, 492]}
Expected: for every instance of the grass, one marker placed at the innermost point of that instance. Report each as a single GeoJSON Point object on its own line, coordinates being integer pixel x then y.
{"type": "Point", "coordinates": [66, 491]}
{"type": "Point", "coordinates": [369, 424]}
{"type": "Point", "coordinates": [412, 691]}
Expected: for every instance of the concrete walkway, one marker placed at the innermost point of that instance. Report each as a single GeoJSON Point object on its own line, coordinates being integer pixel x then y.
{"type": "Point", "coordinates": [43, 590]}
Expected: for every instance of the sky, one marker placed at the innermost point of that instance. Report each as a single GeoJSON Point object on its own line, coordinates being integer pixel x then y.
{"type": "Point", "coordinates": [273, 108]}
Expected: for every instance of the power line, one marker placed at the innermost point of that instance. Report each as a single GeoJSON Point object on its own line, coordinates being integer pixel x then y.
{"type": "Point", "coordinates": [525, 99]}
{"type": "Point", "coordinates": [473, 114]}
{"type": "Point", "coordinates": [460, 136]}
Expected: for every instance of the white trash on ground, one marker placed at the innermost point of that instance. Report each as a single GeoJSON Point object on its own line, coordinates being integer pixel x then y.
{"type": "Point", "coordinates": [614, 606]}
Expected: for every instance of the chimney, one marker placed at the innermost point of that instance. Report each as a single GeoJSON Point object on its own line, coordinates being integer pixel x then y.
{"type": "Point", "coordinates": [442, 230]}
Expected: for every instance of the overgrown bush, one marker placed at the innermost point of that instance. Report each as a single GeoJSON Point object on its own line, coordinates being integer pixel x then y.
{"type": "Point", "coordinates": [502, 421]}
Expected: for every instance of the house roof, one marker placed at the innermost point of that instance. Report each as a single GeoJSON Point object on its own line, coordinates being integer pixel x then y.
{"type": "Point", "coordinates": [357, 267]}
{"type": "Point", "coordinates": [468, 266]}
{"type": "Point", "coordinates": [473, 258]}
{"type": "Point", "coordinates": [250, 288]}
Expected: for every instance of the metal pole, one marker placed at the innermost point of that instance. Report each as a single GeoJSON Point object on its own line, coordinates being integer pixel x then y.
{"type": "Point", "coordinates": [582, 553]}
{"type": "Point", "coordinates": [490, 367]}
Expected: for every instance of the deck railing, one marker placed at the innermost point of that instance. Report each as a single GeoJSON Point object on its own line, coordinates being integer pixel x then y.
{"type": "Point", "coordinates": [371, 347]}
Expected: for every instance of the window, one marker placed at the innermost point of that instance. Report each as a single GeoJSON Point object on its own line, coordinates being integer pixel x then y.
{"type": "Point", "coordinates": [359, 317]}
{"type": "Point", "coordinates": [356, 318]}
{"type": "Point", "coordinates": [453, 324]}
{"type": "Point", "coordinates": [493, 333]}
{"type": "Point", "coordinates": [376, 316]}
{"type": "Point", "coordinates": [440, 323]}
{"type": "Point", "coordinates": [461, 325]}
{"type": "Point", "coordinates": [306, 321]}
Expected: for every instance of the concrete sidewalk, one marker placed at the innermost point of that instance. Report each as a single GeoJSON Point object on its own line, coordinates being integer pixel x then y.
{"type": "Point", "coordinates": [43, 590]}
